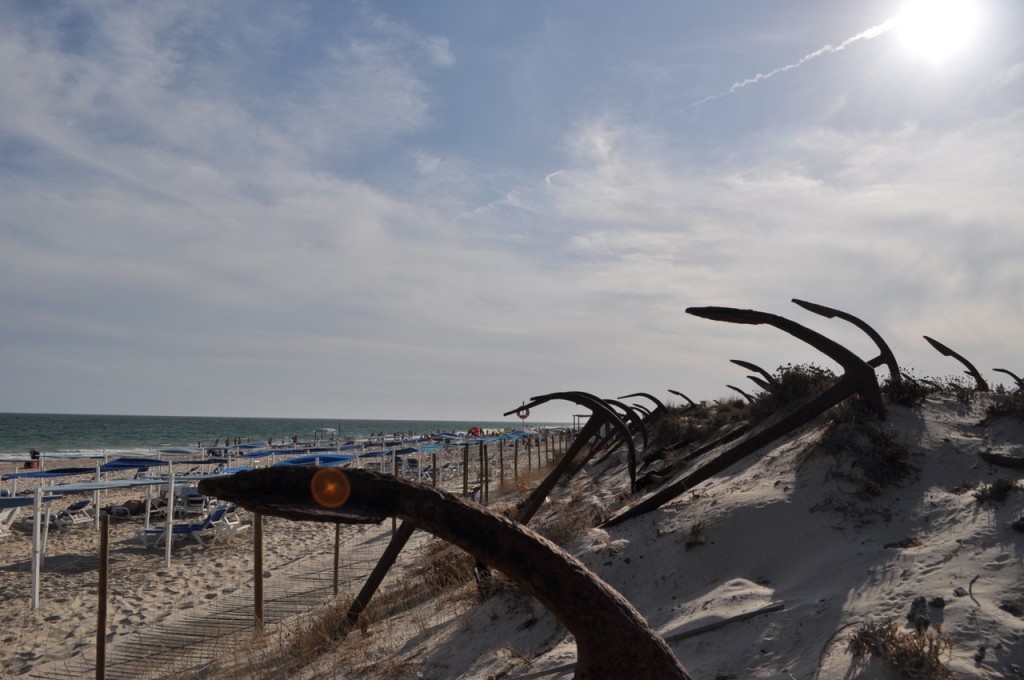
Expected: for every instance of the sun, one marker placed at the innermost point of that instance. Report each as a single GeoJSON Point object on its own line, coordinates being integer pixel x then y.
{"type": "Point", "coordinates": [937, 30]}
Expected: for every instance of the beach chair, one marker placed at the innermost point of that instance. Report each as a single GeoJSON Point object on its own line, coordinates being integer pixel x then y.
{"type": "Point", "coordinates": [191, 503]}
{"type": "Point", "coordinates": [7, 517]}
{"type": "Point", "coordinates": [205, 533]}
{"type": "Point", "coordinates": [74, 514]}
{"type": "Point", "coordinates": [231, 525]}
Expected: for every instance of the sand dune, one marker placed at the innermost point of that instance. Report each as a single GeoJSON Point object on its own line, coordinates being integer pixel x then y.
{"type": "Point", "coordinates": [793, 526]}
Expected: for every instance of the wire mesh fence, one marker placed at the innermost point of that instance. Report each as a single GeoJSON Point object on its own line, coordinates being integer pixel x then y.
{"type": "Point", "coordinates": [196, 616]}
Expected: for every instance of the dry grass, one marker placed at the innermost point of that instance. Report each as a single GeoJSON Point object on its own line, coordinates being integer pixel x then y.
{"type": "Point", "coordinates": [697, 535]}
{"type": "Point", "coordinates": [909, 391]}
{"type": "Point", "coordinates": [568, 519]}
{"type": "Point", "coordinates": [877, 458]}
{"type": "Point", "coordinates": [443, 565]}
{"type": "Point", "coordinates": [1007, 406]}
{"type": "Point", "coordinates": [964, 390]}
{"type": "Point", "coordinates": [911, 653]}
{"type": "Point", "coordinates": [679, 425]}
{"type": "Point", "coordinates": [996, 492]}
{"type": "Point", "coordinates": [793, 383]}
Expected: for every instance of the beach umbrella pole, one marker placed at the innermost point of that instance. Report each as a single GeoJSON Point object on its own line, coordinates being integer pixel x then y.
{"type": "Point", "coordinates": [37, 509]}
{"type": "Point", "coordinates": [169, 526]}
{"type": "Point", "coordinates": [96, 498]}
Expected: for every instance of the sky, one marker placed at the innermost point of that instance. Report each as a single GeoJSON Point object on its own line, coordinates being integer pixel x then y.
{"type": "Point", "coordinates": [440, 210]}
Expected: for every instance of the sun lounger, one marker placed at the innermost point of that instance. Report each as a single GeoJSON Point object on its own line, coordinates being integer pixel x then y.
{"type": "Point", "coordinates": [190, 503]}
{"type": "Point", "coordinates": [231, 524]}
{"type": "Point", "coordinates": [7, 517]}
{"type": "Point", "coordinates": [205, 533]}
{"type": "Point", "coordinates": [74, 514]}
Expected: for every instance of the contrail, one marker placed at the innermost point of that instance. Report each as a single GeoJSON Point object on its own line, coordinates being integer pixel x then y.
{"type": "Point", "coordinates": [870, 33]}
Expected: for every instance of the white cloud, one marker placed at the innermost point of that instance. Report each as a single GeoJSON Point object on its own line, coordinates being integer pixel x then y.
{"type": "Point", "coordinates": [281, 216]}
{"type": "Point", "coordinates": [907, 228]}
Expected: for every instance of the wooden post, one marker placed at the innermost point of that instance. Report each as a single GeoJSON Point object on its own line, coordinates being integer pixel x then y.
{"type": "Point", "coordinates": [480, 475]}
{"type": "Point", "coordinates": [257, 585]}
{"type": "Point", "coordinates": [337, 555]}
{"type": "Point", "coordinates": [501, 462]}
{"type": "Point", "coordinates": [529, 453]}
{"type": "Point", "coordinates": [433, 465]}
{"type": "Point", "coordinates": [465, 470]}
{"type": "Point", "coordinates": [515, 461]}
{"type": "Point", "coordinates": [485, 464]}
{"type": "Point", "coordinates": [101, 609]}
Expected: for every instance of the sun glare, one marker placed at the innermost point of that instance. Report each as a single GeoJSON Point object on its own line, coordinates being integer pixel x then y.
{"type": "Point", "coordinates": [937, 30]}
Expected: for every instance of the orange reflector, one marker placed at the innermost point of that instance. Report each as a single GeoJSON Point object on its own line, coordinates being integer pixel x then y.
{"type": "Point", "coordinates": [330, 487]}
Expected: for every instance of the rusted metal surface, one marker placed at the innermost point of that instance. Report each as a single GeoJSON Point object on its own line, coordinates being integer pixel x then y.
{"type": "Point", "coordinates": [1002, 459]}
{"type": "Point", "coordinates": [749, 398]}
{"type": "Point", "coordinates": [612, 638]}
{"type": "Point", "coordinates": [600, 414]}
{"type": "Point", "coordinates": [1019, 381]}
{"type": "Point", "coordinates": [971, 370]}
{"type": "Point", "coordinates": [767, 377]}
{"type": "Point", "coordinates": [643, 409]}
{"type": "Point", "coordinates": [691, 402]}
{"type": "Point", "coordinates": [658, 406]}
{"type": "Point", "coordinates": [858, 378]}
{"type": "Point", "coordinates": [383, 566]}
{"type": "Point", "coordinates": [885, 355]}
{"type": "Point", "coordinates": [632, 416]}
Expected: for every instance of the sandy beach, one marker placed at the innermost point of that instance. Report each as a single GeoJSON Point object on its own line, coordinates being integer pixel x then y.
{"type": "Point", "coordinates": [792, 531]}
{"type": "Point", "coordinates": [143, 589]}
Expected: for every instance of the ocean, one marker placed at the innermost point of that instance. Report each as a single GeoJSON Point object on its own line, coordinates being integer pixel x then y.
{"type": "Point", "coordinates": [71, 435]}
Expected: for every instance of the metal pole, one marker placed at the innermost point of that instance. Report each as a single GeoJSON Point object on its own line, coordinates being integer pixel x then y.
{"type": "Point", "coordinates": [169, 526]}
{"type": "Point", "coordinates": [373, 581]}
{"type": "Point", "coordinates": [96, 498]}
{"type": "Point", "coordinates": [37, 509]}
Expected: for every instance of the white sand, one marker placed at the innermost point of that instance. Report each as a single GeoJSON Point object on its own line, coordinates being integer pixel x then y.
{"type": "Point", "coordinates": [143, 590]}
{"type": "Point", "coordinates": [782, 526]}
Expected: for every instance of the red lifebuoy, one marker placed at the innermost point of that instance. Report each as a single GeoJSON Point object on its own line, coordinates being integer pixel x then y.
{"type": "Point", "coordinates": [523, 413]}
